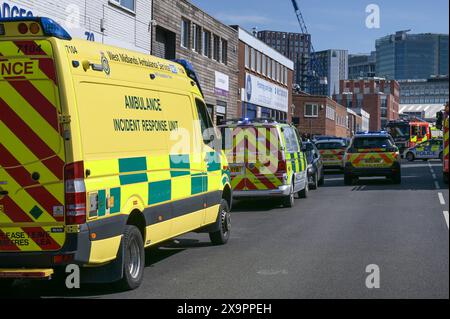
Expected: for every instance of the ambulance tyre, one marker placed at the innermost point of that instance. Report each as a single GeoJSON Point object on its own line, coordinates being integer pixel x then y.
{"type": "Point", "coordinates": [322, 179]}
{"type": "Point", "coordinates": [288, 201]}
{"type": "Point", "coordinates": [6, 284]}
{"type": "Point", "coordinates": [348, 179]}
{"type": "Point", "coordinates": [410, 157]}
{"type": "Point", "coordinates": [134, 258]}
{"type": "Point", "coordinates": [305, 191]}
{"type": "Point", "coordinates": [446, 178]}
{"type": "Point", "coordinates": [315, 184]}
{"type": "Point", "coordinates": [221, 236]}
{"type": "Point", "coordinates": [397, 178]}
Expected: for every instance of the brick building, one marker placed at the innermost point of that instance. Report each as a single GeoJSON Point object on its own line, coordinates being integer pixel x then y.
{"type": "Point", "coordinates": [265, 79]}
{"type": "Point", "coordinates": [320, 115]}
{"type": "Point", "coordinates": [378, 97]}
{"type": "Point", "coordinates": [183, 31]}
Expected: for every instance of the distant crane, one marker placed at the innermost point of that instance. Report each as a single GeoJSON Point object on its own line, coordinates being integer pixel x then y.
{"type": "Point", "coordinates": [313, 66]}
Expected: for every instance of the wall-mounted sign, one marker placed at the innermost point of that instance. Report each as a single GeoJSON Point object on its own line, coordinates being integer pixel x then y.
{"type": "Point", "coordinates": [263, 93]}
{"type": "Point", "coordinates": [222, 84]}
{"type": "Point", "coordinates": [11, 10]}
{"type": "Point", "coordinates": [68, 16]}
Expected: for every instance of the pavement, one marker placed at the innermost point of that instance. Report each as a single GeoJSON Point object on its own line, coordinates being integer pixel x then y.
{"type": "Point", "coordinates": [321, 248]}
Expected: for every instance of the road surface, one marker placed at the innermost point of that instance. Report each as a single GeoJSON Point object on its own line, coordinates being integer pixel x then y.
{"type": "Point", "coordinates": [318, 249]}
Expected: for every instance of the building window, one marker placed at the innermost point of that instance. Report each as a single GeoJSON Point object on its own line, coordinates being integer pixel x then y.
{"type": "Point", "coordinates": [264, 65]}
{"type": "Point", "coordinates": [216, 47]}
{"type": "Point", "coordinates": [224, 51]}
{"type": "Point", "coordinates": [311, 110]}
{"type": "Point", "coordinates": [126, 4]}
{"type": "Point", "coordinates": [247, 56]}
{"type": "Point", "coordinates": [278, 66]}
{"type": "Point", "coordinates": [274, 69]}
{"type": "Point", "coordinates": [331, 113]}
{"type": "Point", "coordinates": [258, 61]}
{"type": "Point", "coordinates": [206, 45]}
{"type": "Point", "coordinates": [286, 76]}
{"type": "Point", "coordinates": [253, 59]}
{"type": "Point", "coordinates": [185, 33]}
{"type": "Point", "coordinates": [197, 38]}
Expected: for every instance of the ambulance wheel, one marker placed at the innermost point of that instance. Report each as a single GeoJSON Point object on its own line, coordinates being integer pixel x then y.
{"type": "Point", "coordinates": [289, 201]}
{"type": "Point", "coordinates": [5, 284]}
{"type": "Point", "coordinates": [322, 179]}
{"type": "Point", "coordinates": [410, 157]}
{"type": "Point", "coordinates": [134, 258]}
{"type": "Point", "coordinates": [348, 179]}
{"type": "Point", "coordinates": [305, 191]}
{"type": "Point", "coordinates": [315, 184]}
{"type": "Point", "coordinates": [446, 178]}
{"type": "Point", "coordinates": [397, 178]}
{"type": "Point", "coordinates": [221, 236]}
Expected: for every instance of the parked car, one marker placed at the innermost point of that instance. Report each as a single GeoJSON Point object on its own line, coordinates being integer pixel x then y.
{"type": "Point", "coordinates": [431, 149]}
{"type": "Point", "coordinates": [332, 153]}
{"type": "Point", "coordinates": [316, 175]}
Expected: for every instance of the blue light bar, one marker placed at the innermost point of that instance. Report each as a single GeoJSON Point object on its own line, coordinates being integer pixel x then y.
{"type": "Point", "coordinates": [372, 133]}
{"type": "Point", "coordinates": [49, 26]}
{"type": "Point", "coordinates": [190, 72]}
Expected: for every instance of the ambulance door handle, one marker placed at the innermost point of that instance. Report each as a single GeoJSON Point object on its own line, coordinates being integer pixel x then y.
{"type": "Point", "coordinates": [4, 193]}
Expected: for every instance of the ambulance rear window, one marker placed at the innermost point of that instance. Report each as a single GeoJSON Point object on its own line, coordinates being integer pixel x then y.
{"type": "Point", "coordinates": [330, 145]}
{"type": "Point", "coordinates": [372, 142]}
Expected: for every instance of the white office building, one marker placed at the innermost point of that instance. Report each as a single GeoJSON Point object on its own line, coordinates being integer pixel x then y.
{"type": "Point", "coordinates": [123, 23]}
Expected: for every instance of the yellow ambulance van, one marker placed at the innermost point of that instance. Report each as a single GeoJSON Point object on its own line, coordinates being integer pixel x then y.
{"type": "Point", "coordinates": [103, 152]}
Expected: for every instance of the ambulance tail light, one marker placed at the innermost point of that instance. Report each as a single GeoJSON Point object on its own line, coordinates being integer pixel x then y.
{"type": "Point", "coordinates": [75, 194]}
{"type": "Point", "coordinates": [34, 25]}
{"type": "Point", "coordinates": [282, 166]}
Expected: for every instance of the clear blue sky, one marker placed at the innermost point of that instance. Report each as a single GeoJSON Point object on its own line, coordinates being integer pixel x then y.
{"type": "Point", "coordinates": [334, 24]}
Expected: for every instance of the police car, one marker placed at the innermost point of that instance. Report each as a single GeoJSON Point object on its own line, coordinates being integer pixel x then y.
{"type": "Point", "coordinates": [431, 149]}
{"type": "Point", "coordinates": [372, 154]}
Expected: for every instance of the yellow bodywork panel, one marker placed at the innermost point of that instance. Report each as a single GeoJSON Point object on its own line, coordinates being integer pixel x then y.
{"type": "Point", "coordinates": [104, 250]}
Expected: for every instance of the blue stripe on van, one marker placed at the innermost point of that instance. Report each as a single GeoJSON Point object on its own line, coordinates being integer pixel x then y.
{"type": "Point", "coordinates": [214, 161]}
{"type": "Point", "coordinates": [159, 192]}
{"type": "Point", "coordinates": [128, 165]}
{"type": "Point", "coordinates": [101, 203]}
{"type": "Point", "coordinates": [133, 179]}
{"type": "Point", "coordinates": [180, 165]}
{"type": "Point", "coordinates": [115, 192]}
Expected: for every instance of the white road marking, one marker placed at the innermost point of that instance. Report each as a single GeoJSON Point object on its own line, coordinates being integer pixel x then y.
{"type": "Point", "coordinates": [272, 272]}
{"type": "Point", "coordinates": [436, 184]}
{"type": "Point", "coordinates": [434, 176]}
{"type": "Point", "coordinates": [441, 199]}
{"type": "Point", "coordinates": [446, 217]}
{"type": "Point", "coordinates": [420, 165]}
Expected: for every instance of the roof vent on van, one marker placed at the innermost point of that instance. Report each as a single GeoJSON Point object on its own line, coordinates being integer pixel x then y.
{"type": "Point", "coordinates": [190, 72]}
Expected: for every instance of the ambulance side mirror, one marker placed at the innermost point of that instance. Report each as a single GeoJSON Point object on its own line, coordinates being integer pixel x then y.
{"type": "Point", "coordinates": [303, 148]}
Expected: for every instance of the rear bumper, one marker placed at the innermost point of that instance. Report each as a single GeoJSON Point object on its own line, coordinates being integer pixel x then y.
{"type": "Point", "coordinates": [76, 250]}
{"type": "Point", "coordinates": [25, 273]}
{"type": "Point", "coordinates": [372, 171]}
{"type": "Point", "coordinates": [333, 165]}
{"type": "Point", "coordinates": [281, 191]}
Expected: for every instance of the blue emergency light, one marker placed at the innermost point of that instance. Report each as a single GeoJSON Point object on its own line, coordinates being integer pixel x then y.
{"type": "Point", "coordinates": [49, 27]}
{"type": "Point", "coordinates": [190, 71]}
